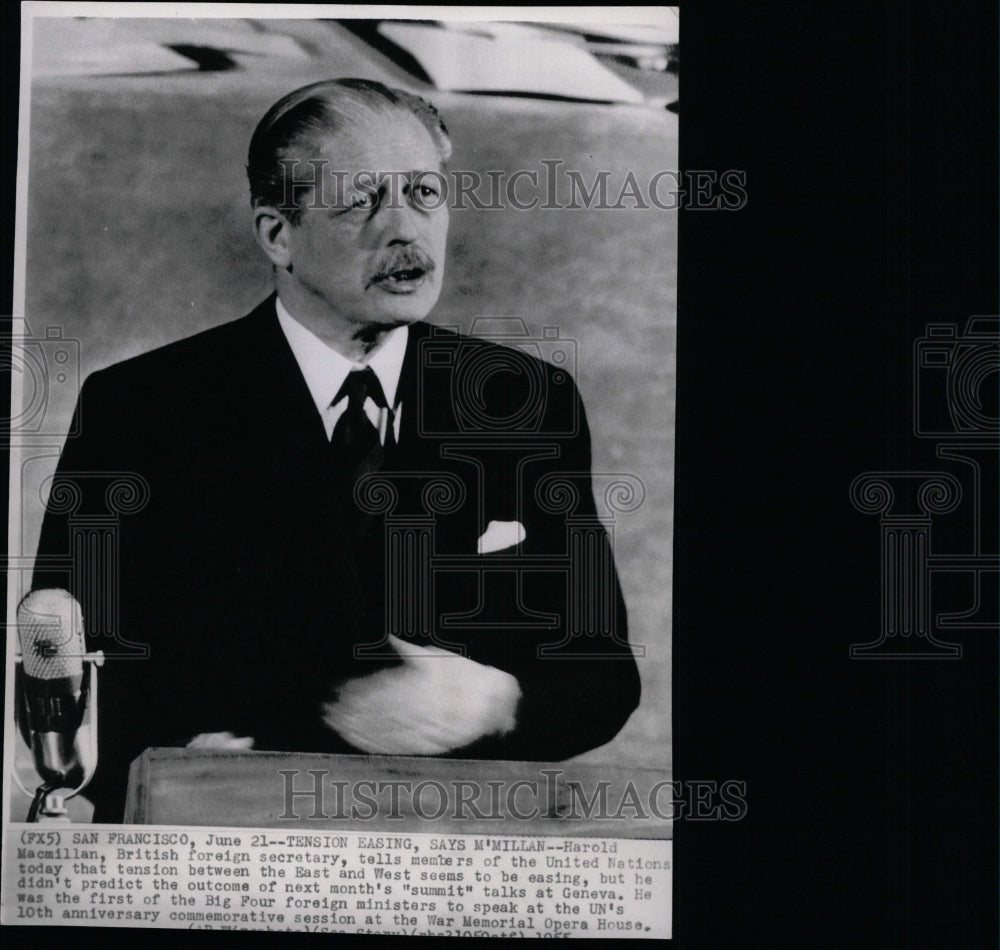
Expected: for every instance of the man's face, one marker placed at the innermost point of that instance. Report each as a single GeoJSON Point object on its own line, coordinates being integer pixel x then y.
{"type": "Point", "coordinates": [372, 254]}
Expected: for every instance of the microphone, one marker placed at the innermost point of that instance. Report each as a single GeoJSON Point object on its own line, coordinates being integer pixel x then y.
{"type": "Point", "coordinates": [55, 689]}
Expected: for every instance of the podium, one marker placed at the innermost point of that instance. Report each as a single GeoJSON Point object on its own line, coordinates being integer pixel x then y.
{"type": "Point", "coordinates": [388, 793]}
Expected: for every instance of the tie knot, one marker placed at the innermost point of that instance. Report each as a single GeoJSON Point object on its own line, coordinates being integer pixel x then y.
{"type": "Point", "coordinates": [361, 384]}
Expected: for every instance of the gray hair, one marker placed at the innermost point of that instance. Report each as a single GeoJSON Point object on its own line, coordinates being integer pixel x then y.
{"type": "Point", "coordinates": [319, 109]}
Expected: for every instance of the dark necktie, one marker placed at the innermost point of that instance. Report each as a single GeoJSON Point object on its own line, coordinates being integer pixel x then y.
{"type": "Point", "coordinates": [355, 447]}
{"type": "Point", "coordinates": [355, 451]}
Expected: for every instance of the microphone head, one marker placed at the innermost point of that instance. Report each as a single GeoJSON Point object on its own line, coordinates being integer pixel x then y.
{"type": "Point", "coordinates": [50, 630]}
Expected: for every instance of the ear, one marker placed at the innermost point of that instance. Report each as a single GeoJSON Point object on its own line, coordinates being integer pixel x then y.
{"type": "Point", "coordinates": [272, 230]}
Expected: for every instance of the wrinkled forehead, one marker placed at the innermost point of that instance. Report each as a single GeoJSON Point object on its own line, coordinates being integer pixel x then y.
{"type": "Point", "coordinates": [390, 141]}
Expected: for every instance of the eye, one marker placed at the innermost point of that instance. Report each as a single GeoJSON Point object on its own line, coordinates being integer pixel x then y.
{"type": "Point", "coordinates": [425, 194]}
{"type": "Point", "coordinates": [365, 201]}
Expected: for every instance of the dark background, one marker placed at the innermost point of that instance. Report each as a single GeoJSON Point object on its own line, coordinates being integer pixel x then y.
{"type": "Point", "coordinates": [869, 136]}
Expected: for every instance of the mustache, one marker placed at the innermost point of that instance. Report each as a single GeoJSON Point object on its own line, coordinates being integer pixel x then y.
{"type": "Point", "coordinates": [403, 259]}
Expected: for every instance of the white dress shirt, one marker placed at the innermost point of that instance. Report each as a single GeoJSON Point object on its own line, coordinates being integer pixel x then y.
{"type": "Point", "coordinates": [325, 370]}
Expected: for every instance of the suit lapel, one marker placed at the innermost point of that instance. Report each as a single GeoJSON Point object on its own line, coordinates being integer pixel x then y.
{"type": "Point", "coordinates": [290, 431]}
{"type": "Point", "coordinates": [285, 406]}
{"type": "Point", "coordinates": [424, 389]}
{"type": "Point", "coordinates": [407, 393]}
{"type": "Point", "coordinates": [428, 428]}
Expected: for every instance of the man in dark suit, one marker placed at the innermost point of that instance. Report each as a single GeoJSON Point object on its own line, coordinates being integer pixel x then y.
{"type": "Point", "coordinates": [334, 527]}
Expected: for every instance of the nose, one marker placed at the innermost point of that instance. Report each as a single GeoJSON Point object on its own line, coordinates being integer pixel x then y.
{"type": "Point", "coordinates": [399, 222]}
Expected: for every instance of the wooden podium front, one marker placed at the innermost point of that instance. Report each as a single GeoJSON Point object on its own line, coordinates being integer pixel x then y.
{"type": "Point", "coordinates": [397, 793]}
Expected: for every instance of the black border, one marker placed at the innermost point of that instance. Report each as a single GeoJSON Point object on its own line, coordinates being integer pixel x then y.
{"type": "Point", "coordinates": [869, 136]}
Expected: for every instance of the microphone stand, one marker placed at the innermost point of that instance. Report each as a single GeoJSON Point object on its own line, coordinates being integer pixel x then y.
{"type": "Point", "coordinates": [43, 801]}
{"type": "Point", "coordinates": [41, 797]}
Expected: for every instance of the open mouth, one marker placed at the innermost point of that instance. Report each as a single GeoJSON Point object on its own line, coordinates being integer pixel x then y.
{"type": "Point", "coordinates": [402, 279]}
{"type": "Point", "coordinates": [404, 274]}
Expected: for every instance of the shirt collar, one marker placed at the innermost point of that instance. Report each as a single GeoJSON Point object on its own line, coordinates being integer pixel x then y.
{"type": "Point", "coordinates": [325, 369]}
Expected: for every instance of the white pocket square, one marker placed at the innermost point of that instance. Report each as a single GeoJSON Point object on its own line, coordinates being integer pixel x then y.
{"type": "Point", "coordinates": [500, 535]}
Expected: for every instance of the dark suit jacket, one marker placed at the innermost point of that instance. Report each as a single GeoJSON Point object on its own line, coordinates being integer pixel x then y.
{"type": "Point", "coordinates": [193, 518]}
